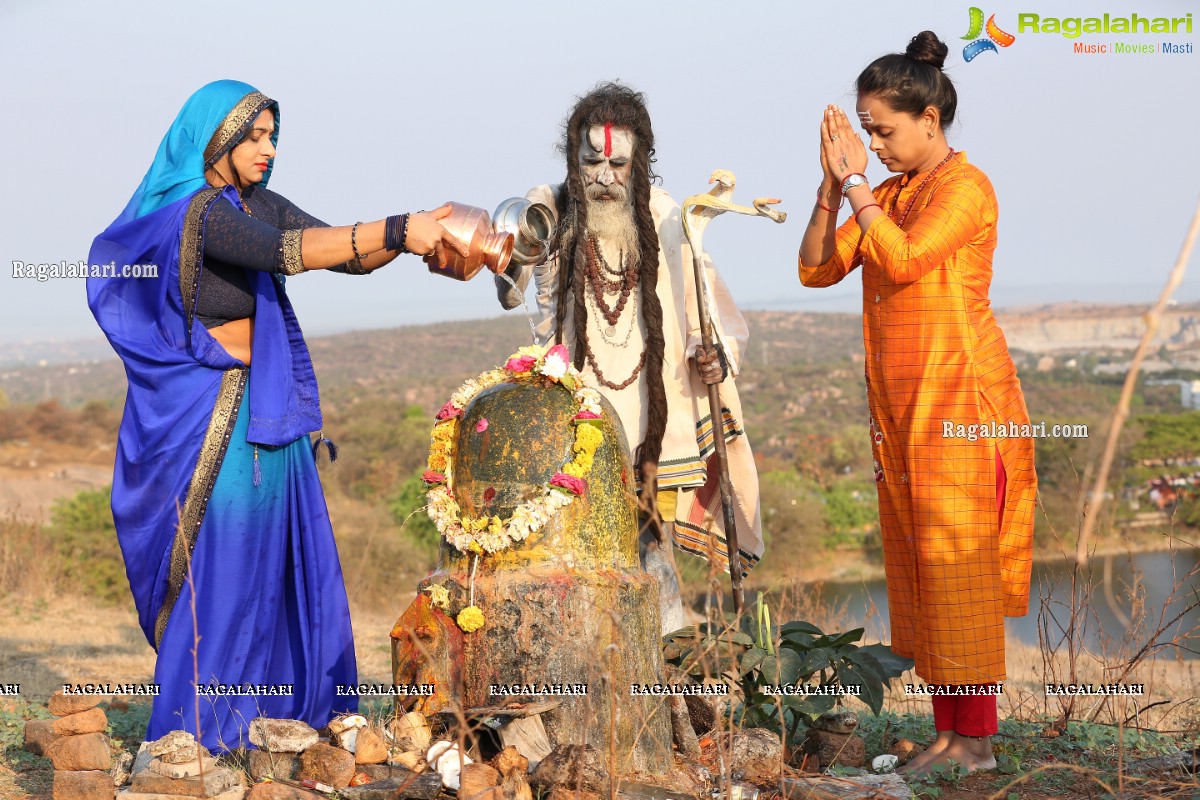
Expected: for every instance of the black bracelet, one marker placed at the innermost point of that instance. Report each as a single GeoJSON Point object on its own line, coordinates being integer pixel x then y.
{"type": "Point", "coordinates": [396, 232]}
{"type": "Point", "coordinates": [354, 242]}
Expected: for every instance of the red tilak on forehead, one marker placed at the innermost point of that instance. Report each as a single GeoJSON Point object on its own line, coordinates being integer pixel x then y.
{"type": "Point", "coordinates": [607, 139]}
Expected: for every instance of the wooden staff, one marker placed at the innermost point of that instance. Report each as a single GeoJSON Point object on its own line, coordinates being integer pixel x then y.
{"type": "Point", "coordinates": [698, 211]}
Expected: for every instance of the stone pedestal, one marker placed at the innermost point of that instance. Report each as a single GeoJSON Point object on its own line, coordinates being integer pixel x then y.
{"type": "Point", "coordinates": [569, 612]}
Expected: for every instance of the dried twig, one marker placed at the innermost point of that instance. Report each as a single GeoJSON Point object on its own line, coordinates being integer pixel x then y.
{"type": "Point", "coordinates": [1153, 318]}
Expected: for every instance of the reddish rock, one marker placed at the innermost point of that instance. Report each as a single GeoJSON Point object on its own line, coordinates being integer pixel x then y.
{"type": "Point", "coordinates": [905, 750]}
{"type": "Point", "coordinates": [370, 748]}
{"type": "Point", "coordinates": [83, 785]}
{"type": "Point", "coordinates": [280, 766]}
{"type": "Point", "coordinates": [89, 751]}
{"type": "Point", "coordinates": [327, 764]}
{"type": "Point", "coordinates": [90, 721]}
{"type": "Point", "coordinates": [39, 735]}
{"type": "Point", "coordinates": [61, 704]}
{"type": "Point", "coordinates": [476, 780]}
{"type": "Point", "coordinates": [277, 791]}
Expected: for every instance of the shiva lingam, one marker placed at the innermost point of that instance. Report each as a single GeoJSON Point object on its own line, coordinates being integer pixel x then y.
{"type": "Point", "coordinates": [472, 227]}
{"type": "Point", "coordinates": [566, 607]}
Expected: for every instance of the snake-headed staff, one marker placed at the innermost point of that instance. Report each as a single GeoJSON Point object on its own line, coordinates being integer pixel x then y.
{"type": "Point", "coordinates": [698, 211]}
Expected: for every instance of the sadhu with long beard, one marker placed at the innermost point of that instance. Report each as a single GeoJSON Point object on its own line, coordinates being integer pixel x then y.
{"type": "Point", "coordinates": [618, 288]}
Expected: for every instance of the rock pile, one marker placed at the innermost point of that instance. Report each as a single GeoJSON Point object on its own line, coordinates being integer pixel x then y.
{"type": "Point", "coordinates": [178, 766]}
{"type": "Point", "coordinates": [75, 743]}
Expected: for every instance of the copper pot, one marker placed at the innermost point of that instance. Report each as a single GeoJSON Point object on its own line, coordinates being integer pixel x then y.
{"type": "Point", "coordinates": [472, 227]}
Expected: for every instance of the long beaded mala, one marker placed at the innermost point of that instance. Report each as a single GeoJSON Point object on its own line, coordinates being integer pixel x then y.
{"type": "Point", "coordinates": [600, 285]}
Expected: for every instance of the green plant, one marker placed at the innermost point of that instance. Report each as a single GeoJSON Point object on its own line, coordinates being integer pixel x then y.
{"type": "Point", "coordinates": [408, 510]}
{"type": "Point", "coordinates": [87, 541]}
{"type": "Point", "coordinates": [766, 659]}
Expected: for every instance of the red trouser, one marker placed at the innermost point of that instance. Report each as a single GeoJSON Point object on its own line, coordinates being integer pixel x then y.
{"type": "Point", "coordinates": [972, 715]}
{"type": "Point", "coordinates": [969, 715]}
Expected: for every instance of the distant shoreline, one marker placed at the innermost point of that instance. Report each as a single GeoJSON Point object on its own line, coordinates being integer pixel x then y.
{"type": "Point", "coordinates": [865, 572]}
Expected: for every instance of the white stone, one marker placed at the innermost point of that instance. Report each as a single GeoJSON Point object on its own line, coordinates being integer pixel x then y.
{"type": "Point", "coordinates": [445, 758]}
{"type": "Point", "coordinates": [885, 763]}
{"type": "Point", "coordinates": [282, 735]}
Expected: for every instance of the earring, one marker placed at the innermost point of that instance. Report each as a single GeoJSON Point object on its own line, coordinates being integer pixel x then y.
{"type": "Point", "coordinates": [930, 134]}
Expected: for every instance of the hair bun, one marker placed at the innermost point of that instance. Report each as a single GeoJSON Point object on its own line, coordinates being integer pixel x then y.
{"type": "Point", "coordinates": [927, 48]}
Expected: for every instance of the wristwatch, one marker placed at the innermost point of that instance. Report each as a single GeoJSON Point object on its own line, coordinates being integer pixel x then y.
{"type": "Point", "coordinates": [855, 179]}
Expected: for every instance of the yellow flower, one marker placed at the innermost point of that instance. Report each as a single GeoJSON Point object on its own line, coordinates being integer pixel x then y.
{"type": "Point", "coordinates": [439, 596]}
{"type": "Point", "coordinates": [587, 438]}
{"type": "Point", "coordinates": [475, 548]}
{"type": "Point", "coordinates": [470, 619]}
{"type": "Point", "coordinates": [496, 526]}
{"type": "Point", "coordinates": [437, 462]}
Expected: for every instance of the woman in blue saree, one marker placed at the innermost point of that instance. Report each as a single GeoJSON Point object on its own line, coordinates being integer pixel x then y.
{"type": "Point", "coordinates": [218, 507]}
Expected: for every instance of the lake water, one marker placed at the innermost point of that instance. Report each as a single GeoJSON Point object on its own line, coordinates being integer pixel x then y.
{"type": "Point", "coordinates": [1110, 612]}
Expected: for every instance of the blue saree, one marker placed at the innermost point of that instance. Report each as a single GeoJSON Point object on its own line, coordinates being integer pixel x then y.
{"type": "Point", "coordinates": [217, 503]}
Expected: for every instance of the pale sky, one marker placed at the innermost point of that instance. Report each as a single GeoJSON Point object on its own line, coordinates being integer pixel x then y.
{"type": "Point", "coordinates": [389, 107]}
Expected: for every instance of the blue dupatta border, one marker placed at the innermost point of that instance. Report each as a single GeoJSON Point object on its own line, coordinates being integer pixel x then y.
{"type": "Point", "coordinates": [236, 123]}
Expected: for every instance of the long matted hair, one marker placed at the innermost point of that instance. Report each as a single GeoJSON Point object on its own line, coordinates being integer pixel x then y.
{"type": "Point", "coordinates": [621, 106]}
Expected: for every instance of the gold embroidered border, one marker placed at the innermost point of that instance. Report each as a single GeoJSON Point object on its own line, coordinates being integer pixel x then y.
{"type": "Point", "coordinates": [291, 260]}
{"type": "Point", "coordinates": [227, 133]}
{"type": "Point", "coordinates": [204, 477]}
{"type": "Point", "coordinates": [191, 251]}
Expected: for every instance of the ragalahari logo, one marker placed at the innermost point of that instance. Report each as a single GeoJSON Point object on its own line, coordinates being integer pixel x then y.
{"type": "Point", "coordinates": [995, 36]}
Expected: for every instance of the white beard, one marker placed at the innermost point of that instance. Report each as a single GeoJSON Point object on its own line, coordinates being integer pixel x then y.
{"type": "Point", "coordinates": [613, 224]}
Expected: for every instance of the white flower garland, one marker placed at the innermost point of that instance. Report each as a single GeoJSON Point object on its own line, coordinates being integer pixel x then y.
{"type": "Point", "coordinates": [491, 534]}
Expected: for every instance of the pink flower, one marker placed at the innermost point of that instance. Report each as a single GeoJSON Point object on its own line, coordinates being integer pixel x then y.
{"type": "Point", "coordinates": [587, 415]}
{"type": "Point", "coordinates": [448, 411]}
{"type": "Point", "coordinates": [429, 476]}
{"type": "Point", "coordinates": [569, 482]}
{"type": "Point", "coordinates": [517, 365]}
{"type": "Point", "coordinates": [559, 351]}
{"type": "Point", "coordinates": [482, 425]}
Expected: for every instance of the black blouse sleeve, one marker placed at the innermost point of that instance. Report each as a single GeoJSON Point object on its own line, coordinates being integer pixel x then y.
{"type": "Point", "coordinates": [286, 215]}
{"type": "Point", "coordinates": [232, 236]}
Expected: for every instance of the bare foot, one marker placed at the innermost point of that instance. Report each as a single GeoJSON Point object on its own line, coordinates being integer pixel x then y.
{"type": "Point", "coordinates": [944, 740]}
{"type": "Point", "coordinates": [969, 753]}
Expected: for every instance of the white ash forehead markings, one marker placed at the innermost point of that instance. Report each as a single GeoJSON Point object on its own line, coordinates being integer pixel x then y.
{"type": "Point", "coordinates": [618, 139]}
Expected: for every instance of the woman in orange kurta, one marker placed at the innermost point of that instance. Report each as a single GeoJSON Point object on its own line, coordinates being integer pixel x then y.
{"type": "Point", "coordinates": [956, 514]}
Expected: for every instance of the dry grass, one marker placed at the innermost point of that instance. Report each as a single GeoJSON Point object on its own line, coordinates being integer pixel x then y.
{"type": "Point", "coordinates": [69, 640]}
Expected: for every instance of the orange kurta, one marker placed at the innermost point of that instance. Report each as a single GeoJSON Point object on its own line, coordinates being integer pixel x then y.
{"type": "Point", "coordinates": [934, 354]}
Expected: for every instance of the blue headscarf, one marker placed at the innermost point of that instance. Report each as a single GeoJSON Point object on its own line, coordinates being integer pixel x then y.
{"type": "Point", "coordinates": [178, 168]}
{"type": "Point", "coordinates": [174, 366]}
